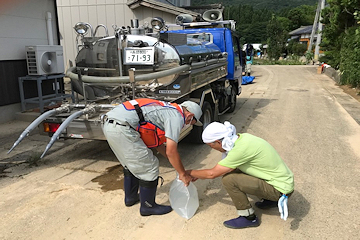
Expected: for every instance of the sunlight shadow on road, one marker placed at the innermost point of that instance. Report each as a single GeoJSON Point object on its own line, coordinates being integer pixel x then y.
{"type": "Point", "coordinates": [299, 208]}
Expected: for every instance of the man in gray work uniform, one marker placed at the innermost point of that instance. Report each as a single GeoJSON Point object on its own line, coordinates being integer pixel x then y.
{"type": "Point", "coordinates": [141, 167]}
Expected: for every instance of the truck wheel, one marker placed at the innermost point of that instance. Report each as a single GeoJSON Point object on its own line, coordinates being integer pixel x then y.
{"type": "Point", "coordinates": [206, 118]}
{"type": "Point", "coordinates": [232, 100]}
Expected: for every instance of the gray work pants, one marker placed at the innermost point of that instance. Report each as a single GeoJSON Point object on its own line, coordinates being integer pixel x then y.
{"type": "Point", "coordinates": [238, 185]}
{"type": "Point", "coordinates": [131, 151]}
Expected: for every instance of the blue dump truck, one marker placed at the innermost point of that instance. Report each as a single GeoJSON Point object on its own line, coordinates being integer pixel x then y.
{"type": "Point", "coordinates": [197, 62]}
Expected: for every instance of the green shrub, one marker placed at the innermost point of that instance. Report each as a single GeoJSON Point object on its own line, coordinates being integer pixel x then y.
{"type": "Point", "coordinates": [350, 57]}
{"type": "Point", "coordinates": [297, 48]}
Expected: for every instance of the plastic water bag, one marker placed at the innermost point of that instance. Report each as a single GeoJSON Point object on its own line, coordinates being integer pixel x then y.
{"type": "Point", "coordinates": [184, 200]}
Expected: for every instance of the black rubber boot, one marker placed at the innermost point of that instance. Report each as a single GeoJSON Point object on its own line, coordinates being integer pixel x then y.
{"type": "Point", "coordinates": [266, 204]}
{"type": "Point", "coordinates": [147, 199]}
{"type": "Point", "coordinates": [131, 188]}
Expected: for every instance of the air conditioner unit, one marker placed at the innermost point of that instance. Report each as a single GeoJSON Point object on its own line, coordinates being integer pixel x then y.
{"type": "Point", "coordinates": [44, 59]}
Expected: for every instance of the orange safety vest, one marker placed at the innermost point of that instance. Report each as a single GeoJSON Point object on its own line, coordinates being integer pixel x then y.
{"type": "Point", "coordinates": [152, 135]}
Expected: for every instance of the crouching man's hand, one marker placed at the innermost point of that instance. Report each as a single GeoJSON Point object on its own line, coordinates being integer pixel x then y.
{"type": "Point", "coordinates": [193, 178]}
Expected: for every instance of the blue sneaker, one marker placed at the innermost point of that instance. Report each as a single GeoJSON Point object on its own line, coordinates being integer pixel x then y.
{"type": "Point", "coordinates": [241, 222]}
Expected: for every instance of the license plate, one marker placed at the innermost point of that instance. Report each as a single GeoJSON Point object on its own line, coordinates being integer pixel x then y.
{"type": "Point", "coordinates": [142, 56]}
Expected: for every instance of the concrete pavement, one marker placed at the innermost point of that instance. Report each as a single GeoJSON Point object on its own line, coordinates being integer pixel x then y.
{"type": "Point", "coordinates": [75, 191]}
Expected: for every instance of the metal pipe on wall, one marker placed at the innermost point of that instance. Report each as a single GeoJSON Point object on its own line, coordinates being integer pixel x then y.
{"type": "Point", "coordinates": [49, 28]}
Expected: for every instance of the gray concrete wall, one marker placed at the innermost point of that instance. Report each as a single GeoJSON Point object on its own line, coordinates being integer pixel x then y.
{"type": "Point", "coordinates": [334, 74]}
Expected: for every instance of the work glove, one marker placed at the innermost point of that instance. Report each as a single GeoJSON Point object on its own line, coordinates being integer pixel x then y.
{"type": "Point", "coordinates": [283, 208]}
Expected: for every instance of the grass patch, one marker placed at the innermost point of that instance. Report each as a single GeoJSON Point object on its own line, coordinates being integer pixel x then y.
{"type": "Point", "coordinates": [289, 61]}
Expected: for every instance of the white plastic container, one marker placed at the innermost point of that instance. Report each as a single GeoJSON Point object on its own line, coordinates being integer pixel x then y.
{"type": "Point", "coordinates": [183, 200]}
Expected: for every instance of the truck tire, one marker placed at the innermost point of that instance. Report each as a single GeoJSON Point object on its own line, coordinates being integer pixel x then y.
{"type": "Point", "coordinates": [206, 118]}
{"type": "Point", "coordinates": [232, 100]}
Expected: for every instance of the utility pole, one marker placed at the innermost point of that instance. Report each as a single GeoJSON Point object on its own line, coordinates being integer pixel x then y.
{"type": "Point", "coordinates": [317, 24]}
{"type": "Point", "coordinates": [318, 38]}
{"type": "Point", "coordinates": [316, 20]}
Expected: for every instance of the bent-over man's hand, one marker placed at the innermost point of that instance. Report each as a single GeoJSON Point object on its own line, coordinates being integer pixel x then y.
{"type": "Point", "coordinates": [186, 179]}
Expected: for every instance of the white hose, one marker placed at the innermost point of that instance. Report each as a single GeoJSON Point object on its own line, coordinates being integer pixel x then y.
{"type": "Point", "coordinates": [143, 77]}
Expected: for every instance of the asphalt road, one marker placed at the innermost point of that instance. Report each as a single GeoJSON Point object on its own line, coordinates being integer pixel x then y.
{"type": "Point", "coordinates": [75, 192]}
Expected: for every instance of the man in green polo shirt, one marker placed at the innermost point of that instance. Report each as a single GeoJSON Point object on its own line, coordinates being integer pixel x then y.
{"type": "Point", "coordinates": [250, 165]}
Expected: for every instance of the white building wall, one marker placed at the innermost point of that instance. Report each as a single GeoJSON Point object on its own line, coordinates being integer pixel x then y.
{"type": "Point", "coordinates": [96, 12]}
{"type": "Point", "coordinates": [22, 23]}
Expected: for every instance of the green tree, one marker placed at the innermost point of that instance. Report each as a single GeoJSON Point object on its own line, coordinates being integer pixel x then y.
{"type": "Point", "coordinates": [250, 23]}
{"type": "Point", "coordinates": [257, 24]}
{"type": "Point", "coordinates": [296, 48]}
{"type": "Point", "coordinates": [350, 57]}
{"type": "Point", "coordinates": [253, 33]}
{"type": "Point", "coordinates": [300, 16]}
{"type": "Point", "coordinates": [341, 38]}
{"type": "Point", "coordinates": [277, 38]}
{"type": "Point", "coordinates": [285, 23]}
{"type": "Point", "coordinates": [274, 5]}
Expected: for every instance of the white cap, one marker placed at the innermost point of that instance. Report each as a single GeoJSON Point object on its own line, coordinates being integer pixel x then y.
{"type": "Point", "coordinates": [195, 109]}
